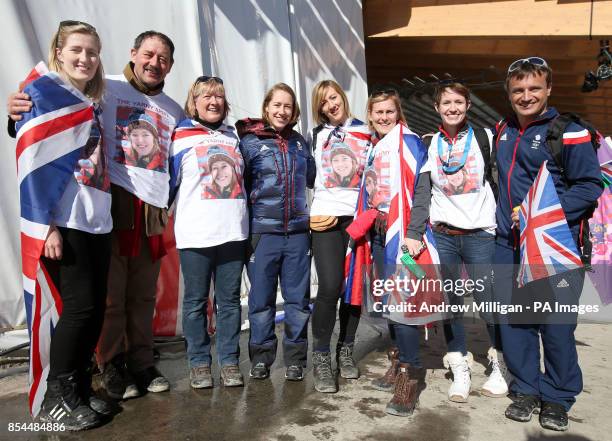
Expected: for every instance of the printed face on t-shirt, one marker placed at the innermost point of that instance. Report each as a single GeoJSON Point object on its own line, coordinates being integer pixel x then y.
{"type": "Point", "coordinates": [220, 168]}
{"type": "Point", "coordinates": [142, 138]}
{"type": "Point", "coordinates": [91, 168]}
{"type": "Point", "coordinates": [222, 173]}
{"type": "Point", "coordinates": [143, 141]}
{"type": "Point", "coordinates": [343, 165]}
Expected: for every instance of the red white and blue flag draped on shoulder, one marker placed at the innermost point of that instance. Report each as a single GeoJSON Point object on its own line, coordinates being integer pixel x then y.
{"type": "Point", "coordinates": [50, 139]}
{"type": "Point", "coordinates": [407, 155]}
{"type": "Point", "coordinates": [547, 246]}
{"type": "Point", "coordinates": [358, 259]}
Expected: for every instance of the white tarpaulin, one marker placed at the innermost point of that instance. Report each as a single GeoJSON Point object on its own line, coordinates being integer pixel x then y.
{"type": "Point", "coordinates": [251, 44]}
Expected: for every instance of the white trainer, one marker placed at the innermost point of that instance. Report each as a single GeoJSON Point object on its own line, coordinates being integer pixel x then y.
{"type": "Point", "coordinates": [460, 366]}
{"type": "Point", "coordinates": [497, 384]}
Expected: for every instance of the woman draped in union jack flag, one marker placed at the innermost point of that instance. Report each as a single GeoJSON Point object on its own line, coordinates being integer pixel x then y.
{"type": "Point", "coordinates": [383, 212]}
{"type": "Point", "coordinates": [65, 228]}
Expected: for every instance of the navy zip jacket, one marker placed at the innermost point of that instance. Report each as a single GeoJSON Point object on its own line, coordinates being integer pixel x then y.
{"type": "Point", "coordinates": [520, 153]}
{"type": "Point", "coordinates": [279, 167]}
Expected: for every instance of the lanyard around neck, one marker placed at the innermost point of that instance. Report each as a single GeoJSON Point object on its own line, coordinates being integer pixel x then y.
{"type": "Point", "coordinates": [446, 164]}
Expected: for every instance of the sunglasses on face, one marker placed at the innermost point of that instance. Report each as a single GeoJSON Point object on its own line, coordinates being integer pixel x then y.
{"type": "Point", "coordinates": [535, 61]}
{"type": "Point", "coordinates": [205, 78]}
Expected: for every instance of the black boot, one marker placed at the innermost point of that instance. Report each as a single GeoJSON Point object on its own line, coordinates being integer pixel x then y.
{"type": "Point", "coordinates": [95, 402]}
{"type": "Point", "coordinates": [63, 405]}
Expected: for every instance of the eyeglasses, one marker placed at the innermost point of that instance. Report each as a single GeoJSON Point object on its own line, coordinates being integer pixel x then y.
{"type": "Point", "coordinates": [536, 61]}
{"type": "Point", "coordinates": [75, 23]}
{"type": "Point", "coordinates": [205, 78]}
{"type": "Point", "coordinates": [384, 92]}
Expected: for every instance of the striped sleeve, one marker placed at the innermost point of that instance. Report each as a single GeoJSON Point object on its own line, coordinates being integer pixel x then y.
{"type": "Point", "coordinates": [573, 138]}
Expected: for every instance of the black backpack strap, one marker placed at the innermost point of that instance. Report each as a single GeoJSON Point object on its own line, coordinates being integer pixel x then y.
{"type": "Point", "coordinates": [499, 130]}
{"type": "Point", "coordinates": [485, 150]}
{"type": "Point", "coordinates": [554, 139]}
{"type": "Point", "coordinates": [315, 132]}
{"type": "Point", "coordinates": [426, 139]}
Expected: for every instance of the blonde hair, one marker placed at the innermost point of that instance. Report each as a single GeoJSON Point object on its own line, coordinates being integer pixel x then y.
{"type": "Point", "coordinates": [295, 114]}
{"type": "Point", "coordinates": [198, 88]}
{"type": "Point", "coordinates": [378, 97]}
{"type": "Point", "coordinates": [94, 87]}
{"type": "Point", "coordinates": [318, 94]}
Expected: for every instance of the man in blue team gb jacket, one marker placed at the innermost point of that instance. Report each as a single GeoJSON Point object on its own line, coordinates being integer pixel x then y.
{"type": "Point", "coordinates": [522, 147]}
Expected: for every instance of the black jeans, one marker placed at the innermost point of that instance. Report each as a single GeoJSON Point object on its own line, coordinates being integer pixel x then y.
{"type": "Point", "coordinates": [80, 277]}
{"type": "Point", "coordinates": [329, 249]}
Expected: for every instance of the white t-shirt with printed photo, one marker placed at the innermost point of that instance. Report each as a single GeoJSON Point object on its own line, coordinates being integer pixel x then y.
{"type": "Point", "coordinates": [137, 131]}
{"type": "Point", "coordinates": [340, 155]}
{"type": "Point", "coordinates": [85, 204]}
{"type": "Point", "coordinates": [460, 199]}
{"type": "Point", "coordinates": [211, 205]}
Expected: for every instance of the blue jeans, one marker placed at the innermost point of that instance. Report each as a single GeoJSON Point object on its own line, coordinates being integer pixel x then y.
{"type": "Point", "coordinates": [475, 251]}
{"type": "Point", "coordinates": [224, 263]}
{"type": "Point", "coordinates": [404, 337]}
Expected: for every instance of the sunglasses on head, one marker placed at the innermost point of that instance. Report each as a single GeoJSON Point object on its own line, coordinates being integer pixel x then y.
{"type": "Point", "coordinates": [535, 61]}
{"type": "Point", "coordinates": [384, 92]}
{"type": "Point", "coordinates": [75, 23]}
{"type": "Point", "coordinates": [205, 78]}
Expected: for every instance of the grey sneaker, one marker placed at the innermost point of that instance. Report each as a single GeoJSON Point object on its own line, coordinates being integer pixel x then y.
{"type": "Point", "coordinates": [151, 380]}
{"type": "Point", "coordinates": [259, 371]}
{"type": "Point", "coordinates": [200, 377]}
{"type": "Point", "coordinates": [324, 378]}
{"type": "Point", "coordinates": [294, 373]}
{"type": "Point", "coordinates": [231, 375]}
{"type": "Point", "coordinates": [131, 389]}
{"type": "Point", "coordinates": [346, 362]}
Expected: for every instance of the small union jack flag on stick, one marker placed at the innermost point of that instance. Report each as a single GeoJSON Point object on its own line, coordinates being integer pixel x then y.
{"type": "Point", "coordinates": [547, 245]}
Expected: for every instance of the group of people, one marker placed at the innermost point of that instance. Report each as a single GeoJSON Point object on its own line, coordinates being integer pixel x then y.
{"type": "Point", "coordinates": [240, 197]}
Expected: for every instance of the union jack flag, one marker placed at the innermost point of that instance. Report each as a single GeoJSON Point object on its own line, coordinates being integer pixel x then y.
{"type": "Point", "coordinates": [547, 246]}
{"type": "Point", "coordinates": [412, 156]}
{"type": "Point", "coordinates": [401, 175]}
{"type": "Point", "coordinates": [358, 260]}
{"type": "Point", "coordinates": [49, 142]}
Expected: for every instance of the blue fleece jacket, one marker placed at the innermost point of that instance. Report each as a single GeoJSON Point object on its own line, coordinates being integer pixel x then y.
{"type": "Point", "coordinates": [521, 152]}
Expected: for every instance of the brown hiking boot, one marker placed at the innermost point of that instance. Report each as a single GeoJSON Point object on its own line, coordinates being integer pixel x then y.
{"type": "Point", "coordinates": [406, 393]}
{"type": "Point", "coordinates": [386, 383]}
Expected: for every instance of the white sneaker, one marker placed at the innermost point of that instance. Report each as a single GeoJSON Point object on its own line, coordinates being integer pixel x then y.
{"type": "Point", "coordinates": [460, 366]}
{"type": "Point", "coordinates": [496, 385]}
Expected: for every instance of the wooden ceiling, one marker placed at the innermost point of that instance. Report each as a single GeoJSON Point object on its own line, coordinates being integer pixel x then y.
{"type": "Point", "coordinates": [482, 62]}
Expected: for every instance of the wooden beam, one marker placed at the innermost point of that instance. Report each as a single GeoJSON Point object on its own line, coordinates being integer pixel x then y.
{"type": "Point", "coordinates": [518, 18]}
{"type": "Point", "coordinates": [493, 48]}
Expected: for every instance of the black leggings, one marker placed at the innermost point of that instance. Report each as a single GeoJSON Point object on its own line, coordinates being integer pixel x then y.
{"type": "Point", "coordinates": [80, 277]}
{"type": "Point", "coordinates": [329, 249]}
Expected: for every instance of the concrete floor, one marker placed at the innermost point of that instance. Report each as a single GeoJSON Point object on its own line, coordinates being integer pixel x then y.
{"type": "Point", "coordinates": [277, 410]}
